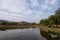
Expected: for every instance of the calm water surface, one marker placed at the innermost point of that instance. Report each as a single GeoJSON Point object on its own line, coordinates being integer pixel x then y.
{"type": "Point", "coordinates": [21, 34]}
{"type": "Point", "coordinates": [25, 34]}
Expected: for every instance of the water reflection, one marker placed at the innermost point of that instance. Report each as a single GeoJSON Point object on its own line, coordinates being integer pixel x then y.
{"type": "Point", "coordinates": [21, 34]}
{"type": "Point", "coordinates": [27, 34]}
{"type": "Point", "coordinates": [49, 36]}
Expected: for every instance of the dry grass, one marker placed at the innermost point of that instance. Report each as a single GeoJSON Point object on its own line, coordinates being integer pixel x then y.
{"type": "Point", "coordinates": [5, 27]}
{"type": "Point", "coordinates": [53, 30]}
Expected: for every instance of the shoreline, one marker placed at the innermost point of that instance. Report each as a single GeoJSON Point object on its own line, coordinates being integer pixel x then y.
{"type": "Point", "coordinates": [9, 27]}
{"type": "Point", "coordinates": [55, 31]}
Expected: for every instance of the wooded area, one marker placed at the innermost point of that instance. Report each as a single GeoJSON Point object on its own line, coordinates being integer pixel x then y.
{"type": "Point", "coordinates": [52, 20]}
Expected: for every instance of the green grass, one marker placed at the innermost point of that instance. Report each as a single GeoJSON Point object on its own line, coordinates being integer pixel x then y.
{"type": "Point", "coordinates": [45, 35]}
{"type": "Point", "coordinates": [53, 32]}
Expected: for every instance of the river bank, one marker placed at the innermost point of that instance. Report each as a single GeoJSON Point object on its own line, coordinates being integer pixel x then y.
{"type": "Point", "coordinates": [8, 27]}
{"type": "Point", "coordinates": [55, 31]}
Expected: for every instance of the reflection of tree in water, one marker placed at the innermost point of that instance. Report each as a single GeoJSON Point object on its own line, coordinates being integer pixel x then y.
{"type": "Point", "coordinates": [47, 35]}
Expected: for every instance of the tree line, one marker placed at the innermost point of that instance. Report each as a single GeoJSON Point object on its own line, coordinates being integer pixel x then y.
{"type": "Point", "coordinates": [52, 20]}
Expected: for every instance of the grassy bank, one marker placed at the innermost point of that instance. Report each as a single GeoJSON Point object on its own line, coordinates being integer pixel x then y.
{"type": "Point", "coordinates": [55, 31]}
{"type": "Point", "coordinates": [8, 27]}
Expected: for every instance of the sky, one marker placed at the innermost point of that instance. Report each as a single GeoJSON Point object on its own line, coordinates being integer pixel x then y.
{"type": "Point", "coordinates": [27, 10]}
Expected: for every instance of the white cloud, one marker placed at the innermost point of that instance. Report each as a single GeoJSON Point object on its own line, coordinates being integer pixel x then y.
{"type": "Point", "coordinates": [20, 10]}
{"type": "Point", "coordinates": [53, 2]}
{"type": "Point", "coordinates": [49, 4]}
{"type": "Point", "coordinates": [13, 5]}
{"type": "Point", "coordinates": [46, 1]}
{"type": "Point", "coordinates": [34, 3]}
{"type": "Point", "coordinates": [10, 10]}
{"type": "Point", "coordinates": [45, 7]}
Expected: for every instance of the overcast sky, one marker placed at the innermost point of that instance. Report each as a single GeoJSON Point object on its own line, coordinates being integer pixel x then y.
{"type": "Point", "coordinates": [27, 10]}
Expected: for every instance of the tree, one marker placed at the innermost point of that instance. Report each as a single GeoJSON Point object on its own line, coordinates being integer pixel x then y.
{"type": "Point", "coordinates": [4, 23]}
{"type": "Point", "coordinates": [44, 22]}
{"type": "Point", "coordinates": [57, 14]}
{"type": "Point", "coordinates": [52, 19]}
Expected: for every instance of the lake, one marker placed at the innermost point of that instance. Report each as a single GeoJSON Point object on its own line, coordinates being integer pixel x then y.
{"type": "Point", "coordinates": [26, 34]}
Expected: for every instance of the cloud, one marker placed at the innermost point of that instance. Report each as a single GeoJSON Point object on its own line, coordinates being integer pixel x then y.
{"type": "Point", "coordinates": [13, 5]}
{"type": "Point", "coordinates": [11, 9]}
{"type": "Point", "coordinates": [53, 2]}
{"type": "Point", "coordinates": [49, 4]}
{"type": "Point", "coordinates": [46, 1]}
{"type": "Point", "coordinates": [26, 10]}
